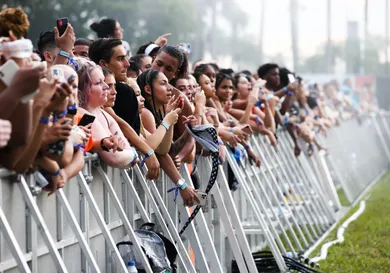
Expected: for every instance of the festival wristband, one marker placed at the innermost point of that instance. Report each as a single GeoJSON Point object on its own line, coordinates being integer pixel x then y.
{"type": "Point", "coordinates": [44, 120]}
{"type": "Point", "coordinates": [165, 125]}
{"type": "Point", "coordinates": [149, 154]}
{"type": "Point", "coordinates": [287, 92]}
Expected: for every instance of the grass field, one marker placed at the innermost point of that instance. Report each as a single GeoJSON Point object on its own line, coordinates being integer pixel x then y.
{"type": "Point", "coordinates": [366, 248]}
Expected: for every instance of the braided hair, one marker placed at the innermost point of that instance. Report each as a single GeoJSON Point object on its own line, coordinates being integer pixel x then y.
{"type": "Point", "coordinates": [176, 53]}
{"type": "Point", "coordinates": [148, 78]}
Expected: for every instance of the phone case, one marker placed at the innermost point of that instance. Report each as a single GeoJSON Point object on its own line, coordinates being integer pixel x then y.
{"type": "Point", "coordinates": [8, 71]}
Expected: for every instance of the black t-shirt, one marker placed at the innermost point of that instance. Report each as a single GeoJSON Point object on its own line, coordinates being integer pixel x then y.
{"type": "Point", "coordinates": [126, 105]}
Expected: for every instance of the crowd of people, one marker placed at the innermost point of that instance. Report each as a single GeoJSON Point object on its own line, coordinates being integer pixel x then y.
{"type": "Point", "coordinates": [71, 95]}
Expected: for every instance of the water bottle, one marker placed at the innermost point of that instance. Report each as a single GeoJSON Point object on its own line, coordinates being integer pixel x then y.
{"type": "Point", "coordinates": [131, 267]}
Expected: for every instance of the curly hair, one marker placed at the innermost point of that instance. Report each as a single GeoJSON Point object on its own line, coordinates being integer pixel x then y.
{"type": "Point", "coordinates": [15, 20]}
{"type": "Point", "coordinates": [265, 68]}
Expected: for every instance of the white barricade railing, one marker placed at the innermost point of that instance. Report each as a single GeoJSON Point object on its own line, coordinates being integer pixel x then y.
{"type": "Point", "coordinates": [286, 205]}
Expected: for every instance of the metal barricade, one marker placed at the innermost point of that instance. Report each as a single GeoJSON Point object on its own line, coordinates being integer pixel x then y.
{"type": "Point", "coordinates": [284, 206]}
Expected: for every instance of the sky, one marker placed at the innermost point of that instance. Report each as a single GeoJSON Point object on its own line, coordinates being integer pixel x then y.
{"type": "Point", "coordinates": [312, 22]}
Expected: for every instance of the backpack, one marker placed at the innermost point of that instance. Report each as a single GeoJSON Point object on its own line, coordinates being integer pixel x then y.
{"type": "Point", "coordinates": [159, 250]}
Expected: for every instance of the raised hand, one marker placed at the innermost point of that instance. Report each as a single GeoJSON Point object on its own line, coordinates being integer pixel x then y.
{"type": "Point", "coordinates": [60, 130]}
{"type": "Point", "coordinates": [66, 41]}
{"type": "Point", "coordinates": [162, 40]}
{"type": "Point", "coordinates": [172, 117]}
{"type": "Point", "coordinates": [200, 98]}
{"type": "Point", "coordinates": [190, 120]}
{"type": "Point", "coordinates": [172, 104]}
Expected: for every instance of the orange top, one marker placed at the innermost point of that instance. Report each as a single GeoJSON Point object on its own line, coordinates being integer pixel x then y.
{"type": "Point", "coordinates": [89, 144]}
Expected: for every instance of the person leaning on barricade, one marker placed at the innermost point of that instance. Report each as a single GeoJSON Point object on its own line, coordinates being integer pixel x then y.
{"type": "Point", "coordinates": [159, 117]}
{"type": "Point", "coordinates": [110, 53]}
{"type": "Point", "coordinates": [93, 94]}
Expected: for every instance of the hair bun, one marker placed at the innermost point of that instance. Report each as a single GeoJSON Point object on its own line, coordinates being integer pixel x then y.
{"type": "Point", "coordinates": [95, 26]}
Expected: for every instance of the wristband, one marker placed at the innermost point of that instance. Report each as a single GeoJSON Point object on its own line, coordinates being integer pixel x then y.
{"type": "Point", "coordinates": [135, 157]}
{"type": "Point", "coordinates": [259, 121]}
{"type": "Point", "coordinates": [44, 120]}
{"type": "Point", "coordinates": [64, 54]}
{"type": "Point", "coordinates": [184, 186]}
{"type": "Point", "coordinates": [56, 173]}
{"type": "Point", "coordinates": [165, 125]}
{"type": "Point", "coordinates": [232, 130]}
{"type": "Point", "coordinates": [149, 154]}
{"type": "Point", "coordinates": [104, 148]}
{"type": "Point", "coordinates": [287, 92]}
{"type": "Point", "coordinates": [74, 63]}
{"type": "Point", "coordinates": [220, 143]}
{"type": "Point", "coordinates": [70, 59]}
{"type": "Point", "coordinates": [258, 103]}
{"type": "Point", "coordinates": [231, 122]}
{"type": "Point", "coordinates": [247, 147]}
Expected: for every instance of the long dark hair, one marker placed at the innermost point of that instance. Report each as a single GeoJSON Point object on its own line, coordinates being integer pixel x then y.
{"type": "Point", "coordinates": [219, 78]}
{"type": "Point", "coordinates": [148, 78]}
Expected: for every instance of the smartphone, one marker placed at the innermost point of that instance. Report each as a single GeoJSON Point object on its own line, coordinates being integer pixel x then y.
{"type": "Point", "coordinates": [203, 198]}
{"type": "Point", "coordinates": [291, 78]}
{"type": "Point", "coordinates": [86, 119]}
{"type": "Point", "coordinates": [62, 24]}
{"type": "Point", "coordinates": [58, 73]}
{"type": "Point", "coordinates": [8, 71]}
{"type": "Point", "coordinates": [185, 47]}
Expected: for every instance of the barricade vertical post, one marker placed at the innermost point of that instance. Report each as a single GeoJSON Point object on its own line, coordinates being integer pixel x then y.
{"type": "Point", "coordinates": [111, 193]}
{"type": "Point", "coordinates": [209, 248]}
{"type": "Point", "coordinates": [229, 218]}
{"type": "Point", "coordinates": [182, 252]}
{"type": "Point", "coordinates": [311, 176]}
{"type": "Point", "coordinates": [59, 263]}
{"type": "Point", "coordinates": [239, 230]}
{"type": "Point", "coordinates": [327, 177]}
{"type": "Point", "coordinates": [77, 230]}
{"type": "Point", "coordinates": [13, 243]}
{"type": "Point", "coordinates": [84, 214]}
{"type": "Point", "coordinates": [282, 199]}
{"type": "Point", "coordinates": [99, 218]}
{"type": "Point", "coordinates": [262, 190]}
{"type": "Point", "coordinates": [308, 187]}
{"type": "Point", "coordinates": [381, 137]}
{"type": "Point", "coordinates": [301, 187]}
{"type": "Point", "coordinates": [201, 264]}
{"type": "Point", "coordinates": [274, 249]}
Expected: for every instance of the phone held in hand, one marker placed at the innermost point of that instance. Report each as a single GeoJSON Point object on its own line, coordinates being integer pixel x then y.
{"type": "Point", "coordinates": [291, 78]}
{"type": "Point", "coordinates": [58, 73]}
{"type": "Point", "coordinates": [203, 198]}
{"type": "Point", "coordinates": [57, 148]}
{"type": "Point", "coordinates": [62, 24]}
{"type": "Point", "coordinates": [86, 120]}
{"type": "Point", "coordinates": [8, 71]}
